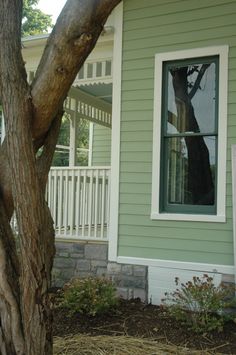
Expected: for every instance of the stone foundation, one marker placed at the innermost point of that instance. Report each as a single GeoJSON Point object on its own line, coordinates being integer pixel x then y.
{"type": "Point", "coordinates": [130, 280]}
{"type": "Point", "coordinates": [82, 259]}
{"type": "Point", "coordinates": [228, 279]}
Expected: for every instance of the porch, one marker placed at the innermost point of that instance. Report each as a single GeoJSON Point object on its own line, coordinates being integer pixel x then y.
{"type": "Point", "coordinates": [78, 194]}
{"type": "Point", "coordinates": [78, 190]}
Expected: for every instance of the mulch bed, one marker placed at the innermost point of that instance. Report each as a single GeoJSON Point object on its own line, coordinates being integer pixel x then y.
{"type": "Point", "coordinates": [133, 318]}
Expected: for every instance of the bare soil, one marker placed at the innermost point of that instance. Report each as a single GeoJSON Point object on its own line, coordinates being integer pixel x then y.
{"type": "Point", "coordinates": [134, 318]}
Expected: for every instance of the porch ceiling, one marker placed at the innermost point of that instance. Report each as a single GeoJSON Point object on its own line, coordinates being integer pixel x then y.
{"type": "Point", "coordinates": [99, 90]}
{"type": "Point", "coordinates": [84, 104]}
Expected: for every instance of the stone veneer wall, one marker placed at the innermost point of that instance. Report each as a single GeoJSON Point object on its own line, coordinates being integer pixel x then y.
{"type": "Point", "coordinates": [81, 259]}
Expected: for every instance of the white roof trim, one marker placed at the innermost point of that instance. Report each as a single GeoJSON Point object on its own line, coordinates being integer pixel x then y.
{"type": "Point", "coordinates": [106, 31]}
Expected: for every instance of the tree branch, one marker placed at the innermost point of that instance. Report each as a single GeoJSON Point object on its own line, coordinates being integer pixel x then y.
{"type": "Point", "coordinates": [72, 39]}
{"type": "Point", "coordinates": [68, 46]}
{"type": "Point", "coordinates": [44, 161]}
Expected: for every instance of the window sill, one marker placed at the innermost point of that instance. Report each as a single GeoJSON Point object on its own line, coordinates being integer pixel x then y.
{"type": "Point", "coordinates": [188, 217]}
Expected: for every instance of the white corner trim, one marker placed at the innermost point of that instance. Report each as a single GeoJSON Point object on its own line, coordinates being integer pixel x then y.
{"type": "Point", "coordinates": [222, 51]}
{"type": "Point", "coordinates": [233, 161]}
{"type": "Point", "coordinates": [203, 267]}
{"type": "Point", "coordinates": [115, 135]}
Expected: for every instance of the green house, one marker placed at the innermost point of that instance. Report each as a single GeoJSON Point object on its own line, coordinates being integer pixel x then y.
{"type": "Point", "coordinates": [155, 200]}
{"type": "Point", "coordinates": [176, 122]}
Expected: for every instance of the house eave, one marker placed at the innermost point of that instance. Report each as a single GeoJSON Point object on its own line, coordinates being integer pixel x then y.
{"type": "Point", "coordinates": [35, 40]}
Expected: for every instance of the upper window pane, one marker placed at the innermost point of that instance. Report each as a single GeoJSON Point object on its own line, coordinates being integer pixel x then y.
{"type": "Point", "coordinates": [191, 97]}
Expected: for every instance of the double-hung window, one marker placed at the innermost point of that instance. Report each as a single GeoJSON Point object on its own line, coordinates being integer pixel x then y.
{"type": "Point", "coordinates": [189, 140]}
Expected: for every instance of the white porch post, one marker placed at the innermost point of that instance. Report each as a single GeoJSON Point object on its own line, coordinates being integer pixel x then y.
{"type": "Point", "coordinates": [90, 156]}
{"type": "Point", "coordinates": [73, 133]}
{"type": "Point", "coordinates": [2, 129]}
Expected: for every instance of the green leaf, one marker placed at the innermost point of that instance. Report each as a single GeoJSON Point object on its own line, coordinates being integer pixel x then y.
{"type": "Point", "coordinates": [34, 21]}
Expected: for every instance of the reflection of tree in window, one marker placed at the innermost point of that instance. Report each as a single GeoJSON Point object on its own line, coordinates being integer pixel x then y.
{"type": "Point", "coordinates": [190, 137]}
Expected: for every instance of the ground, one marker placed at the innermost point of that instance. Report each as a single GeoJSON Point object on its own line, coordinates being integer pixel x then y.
{"type": "Point", "coordinates": [133, 318]}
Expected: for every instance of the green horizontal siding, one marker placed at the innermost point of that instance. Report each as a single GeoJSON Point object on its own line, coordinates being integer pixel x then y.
{"type": "Point", "coordinates": [151, 27]}
{"type": "Point", "coordinates": [163, 8]}
{"type": "Point", "coordinates": [101, 151]}
{"type": "Point", "coordinates": [174, 233]}
{"type": "Point", "coordinates": [163, 243]}
{"type": "Point", "coordinates": [142, 220]}
{"type": "Point", "coordinates": [179, 255]}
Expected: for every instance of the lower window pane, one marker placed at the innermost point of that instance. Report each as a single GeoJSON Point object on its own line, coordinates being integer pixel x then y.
{"type": "Point", "coordinates": [191, 165]}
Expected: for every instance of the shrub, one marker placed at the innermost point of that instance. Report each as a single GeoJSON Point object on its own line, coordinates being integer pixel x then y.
{"type": "Point", "coordinates": [200, 304]}
{"type": "Point", "coordinates": [90, 296]}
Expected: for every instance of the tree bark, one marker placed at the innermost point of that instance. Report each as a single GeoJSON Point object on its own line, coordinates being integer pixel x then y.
{"type": "Point", "coordinates": [32, 116]}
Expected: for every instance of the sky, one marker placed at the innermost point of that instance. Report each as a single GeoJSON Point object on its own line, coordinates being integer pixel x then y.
{"type": "Point", "coordinates": [51, 7]}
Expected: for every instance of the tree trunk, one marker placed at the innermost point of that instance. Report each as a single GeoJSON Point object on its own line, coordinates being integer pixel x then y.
{"type": "Point", "coordinates": [32, 116]}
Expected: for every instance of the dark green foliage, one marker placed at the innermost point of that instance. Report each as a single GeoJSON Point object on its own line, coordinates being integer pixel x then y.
{"type": "Point", "coordinates": [34, 21]}
{"type": "Point", "coordinates": [82, 142]}
{"type": "Point", "coordinates": [61, 156]}
{"type": "Point", "coordinates": [200, 304]}
{"type": "Point", "coordinates": [90, 296]}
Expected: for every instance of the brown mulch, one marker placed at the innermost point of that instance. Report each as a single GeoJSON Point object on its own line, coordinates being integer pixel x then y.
{"type": "Point", "coordinates": [135, 319]}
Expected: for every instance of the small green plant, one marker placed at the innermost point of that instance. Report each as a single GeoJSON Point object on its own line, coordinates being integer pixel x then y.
{"type": "Point", "coordinates": [200, 304]}
{"type": "Point", "coordinates": [90, 296]}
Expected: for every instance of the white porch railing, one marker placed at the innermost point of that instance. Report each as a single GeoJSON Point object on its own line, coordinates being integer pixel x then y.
{"type": "Point", "coordinates": [79, 201]}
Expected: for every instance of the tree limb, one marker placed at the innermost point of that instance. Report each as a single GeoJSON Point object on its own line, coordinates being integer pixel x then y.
{"type": "Point", "coordinates": [72, 39]}
{"type": "Point", "coordinates": [44, 161]}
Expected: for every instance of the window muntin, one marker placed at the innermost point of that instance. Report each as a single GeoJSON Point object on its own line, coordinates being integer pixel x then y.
{"type": "Point", "coordinates": [189, 136]}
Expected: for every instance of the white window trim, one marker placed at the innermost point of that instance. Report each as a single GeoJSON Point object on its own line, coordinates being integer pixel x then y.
{"type": "Point", "coordinates": [222, 51]}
